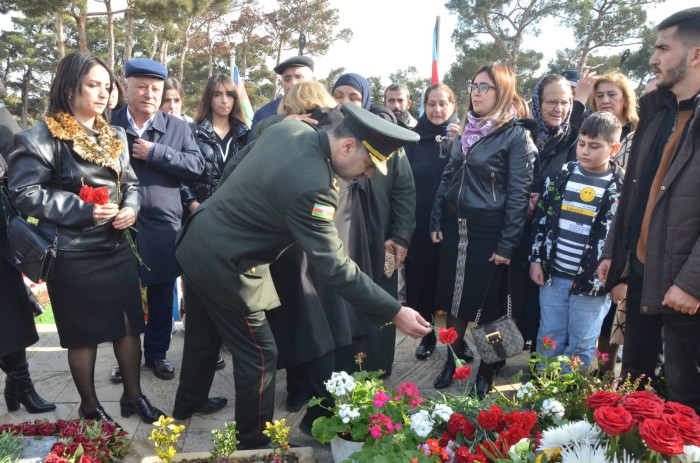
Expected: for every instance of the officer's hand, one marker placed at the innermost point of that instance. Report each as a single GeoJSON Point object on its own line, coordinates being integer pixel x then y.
{"type": "Point", "coordinates": [680, 301]}
{"type": "Point", "coordinates": [603, 269]}
{"type": "Point", "coordinates": [409, 322]}
{"type": "Point", "coordinates": [436, 237]}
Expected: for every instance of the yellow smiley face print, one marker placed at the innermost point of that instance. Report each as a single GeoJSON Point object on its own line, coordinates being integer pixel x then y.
{"type": "Point", "coordinates": [587, 194]}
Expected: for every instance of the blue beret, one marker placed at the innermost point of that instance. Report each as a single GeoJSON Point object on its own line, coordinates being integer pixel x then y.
{"type": "Point", "coordinates": [145, 67]}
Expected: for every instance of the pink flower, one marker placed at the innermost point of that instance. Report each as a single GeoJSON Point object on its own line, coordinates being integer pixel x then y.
{"type": "Point", "coordinates": [380, 398]}
{"type": "Point", "coordinates": [375, 431]}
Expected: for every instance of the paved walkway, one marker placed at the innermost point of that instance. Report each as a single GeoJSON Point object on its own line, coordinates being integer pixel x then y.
{"type": "Point", "coordinates": [49, 369]}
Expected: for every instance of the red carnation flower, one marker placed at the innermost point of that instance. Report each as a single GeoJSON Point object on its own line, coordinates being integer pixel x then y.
{"type": "Point", "coordinates": [447, 336]}
{"type": "Point", "coordinates": [613, 420]}
{"type": "Point", "coordinates": [100, 196]}
{"type": "Point", "coordinates": [462, 373]}
{"type": "Point", "coordinates": [491, 420]}
{"type": "Point", "coordinates": [455, 424]}
{"type": "Point", "coordinates": [86, 193]}
{"type": "Point", "coordinates": [661, 437]}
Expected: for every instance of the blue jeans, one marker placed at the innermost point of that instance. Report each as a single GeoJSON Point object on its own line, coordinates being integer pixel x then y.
{"type": "Point", "coordinates": [572, 321]}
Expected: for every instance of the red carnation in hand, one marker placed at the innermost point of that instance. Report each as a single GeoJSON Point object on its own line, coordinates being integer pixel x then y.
{"type": "Point", "coordinates": [86, 193]}
{"type": "Point", "coordinates": [462, 373]}
{"type": "Point", "coordinates": [100, 196]}
{"type": "Point", "coordinates": [661, 437]}
{"type": "Point", "coordinates": [613, 420]}
{"type": "Point", "coordinates": [447, 336]}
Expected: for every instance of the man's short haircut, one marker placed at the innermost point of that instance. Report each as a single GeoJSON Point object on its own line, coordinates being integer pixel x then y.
{"type": "Point", "coordinates": [395, 88]}
{"type": "Point", "coordinates": [342, 131]}
{"type": "Point", "coordinates": [604, 125]}
{"type": "Point", "coordinates": [688, 23]}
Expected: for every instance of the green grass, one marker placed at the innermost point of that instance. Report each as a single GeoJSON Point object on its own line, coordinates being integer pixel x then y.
{"type": "Point", "coordinates": [46, 318]}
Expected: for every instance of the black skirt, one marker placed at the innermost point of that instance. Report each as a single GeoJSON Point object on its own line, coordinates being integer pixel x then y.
{"type": "Point", "coordinates": [17, 329]}
{"type": "Point", "coordinates": [91, 291]}
{"type": "Point", "coordinates": [482, 281]}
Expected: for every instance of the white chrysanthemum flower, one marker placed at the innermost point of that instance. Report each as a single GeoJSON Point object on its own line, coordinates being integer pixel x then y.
{"type": "Point", "coordinates": [443, 411]}
{"type": "Point", "coordinates": [422, 423]}
{"type": "Point", "coordinates": [585, 453]}
{"type": "Point", "coordinates": [347, 413]}
{"type": "Point", "coordinates": [340, 383]}
{"type": "Point", "coordinates": [576, 432]}
{"type": "Point", "coordinates": [526, 391]}
{"type": "Point", "coordinates": [625, 458]}
{"type": "Point", "coordinates": [691, 454]}
{"type": "Point", "coordinates": [553, 408]}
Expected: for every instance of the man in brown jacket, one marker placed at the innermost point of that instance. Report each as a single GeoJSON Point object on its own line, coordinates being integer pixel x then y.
{"type": "Point", "coordinates": [654, 246]}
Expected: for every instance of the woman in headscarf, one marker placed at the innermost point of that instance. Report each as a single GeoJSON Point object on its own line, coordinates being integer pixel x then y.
{"type": "Point", "coordinates": [480, 209]}
{"type": "Point", "coordinates": [437, 128]}
{"type": "Point", "coordinates": [552, 108]}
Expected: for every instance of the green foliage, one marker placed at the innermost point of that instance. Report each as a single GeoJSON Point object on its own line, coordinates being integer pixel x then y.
{"type": "Point", "coordinates": [226, 442]}
{"type": "Point", "coordinates": [278, 432]}
{"type": "Point", "coordinates": [10, 447]}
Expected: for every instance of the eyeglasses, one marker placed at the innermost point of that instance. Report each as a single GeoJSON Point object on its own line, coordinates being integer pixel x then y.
{"type": "Point", "coordinates": [555, 103]}
{"type": "Point", "coordinates": [482, 87]}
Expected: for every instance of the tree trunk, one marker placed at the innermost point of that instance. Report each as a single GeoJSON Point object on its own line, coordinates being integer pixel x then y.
{"type": "Point", "coordinates": [26, 79]}
{"type": "Point", "coordinates": [184, 48]}
{"type": "Point", "coordinates": [210, 42]}
{"type": "Point", "coordinates": [163, 56]}
{"type": "Point", "coordinates": [81, 23]}
{"type": "Point", "coordinates": [110, 34]}
{"type": "Point", "coordinates": [154, 46]}
{"type": "Point", "coordinates": [60, 40]}
{"type": "Point", "coordinates": [128, 39]}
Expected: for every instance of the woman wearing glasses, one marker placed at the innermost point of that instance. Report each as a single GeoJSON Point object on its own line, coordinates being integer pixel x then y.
{"type": "Point", "coordinates": [480, 208]}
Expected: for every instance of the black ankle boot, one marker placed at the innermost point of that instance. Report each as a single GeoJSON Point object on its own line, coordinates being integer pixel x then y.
{"type": "Point", "coordinates": [99, 414]}
{"type": "Point", "coordinates": [20, 390]}
{"type": "Point", "coordinates": [444, 379]}
{"type": "Point", "coordinates": [143, 407]}
{"type": "Point", "coordinates": [484, 380]}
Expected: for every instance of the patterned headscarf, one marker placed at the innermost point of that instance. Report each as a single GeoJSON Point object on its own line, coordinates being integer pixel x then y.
{"type": "Point", "coordinates": [546, 132]}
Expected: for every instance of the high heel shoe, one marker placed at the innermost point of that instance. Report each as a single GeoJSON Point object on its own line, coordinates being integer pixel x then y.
{"type": "Point", "coordinates": [444, 379]}
{"type": "Point", "coordinates": [143, 407]}
{"type": "Point", "coordinates": [98, 415]}
{"type": "Point", "coordinates": [19, 389]}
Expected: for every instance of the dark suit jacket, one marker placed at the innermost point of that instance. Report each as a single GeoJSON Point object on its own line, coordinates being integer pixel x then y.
{"type": "Point", "coordinates": [174, 158]}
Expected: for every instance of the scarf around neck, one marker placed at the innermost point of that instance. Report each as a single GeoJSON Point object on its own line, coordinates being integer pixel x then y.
{"type": "Point", "coordinates": [427, 130]}
{"type": "Point", "coordinates": [475, 129]}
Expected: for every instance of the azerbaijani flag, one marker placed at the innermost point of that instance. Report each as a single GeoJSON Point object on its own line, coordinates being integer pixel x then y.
{"type": "Point", "coordinates": [435, 79]}
{"type": "Point", "coordinates": [243, 96]}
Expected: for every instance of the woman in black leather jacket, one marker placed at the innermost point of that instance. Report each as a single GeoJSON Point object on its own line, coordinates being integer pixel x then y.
{"type": "Point", "coordinates": [94, 284]}
{"type": "Point", "coordinates": [220, 130]}
{"type": "Point", "coordinates": [480, 208]}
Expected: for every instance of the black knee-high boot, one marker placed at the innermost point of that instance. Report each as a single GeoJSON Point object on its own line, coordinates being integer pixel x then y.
{"type": "Point", "coordinates": [20, 390]}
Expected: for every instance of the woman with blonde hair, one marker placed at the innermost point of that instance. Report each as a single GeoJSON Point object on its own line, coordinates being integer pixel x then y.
{"type": "Point", "coordinates": [304, 97]}
{"type": "Point", "coordinates": [613, 93]}
{"type": "Point", "coordinates": [480, 208]}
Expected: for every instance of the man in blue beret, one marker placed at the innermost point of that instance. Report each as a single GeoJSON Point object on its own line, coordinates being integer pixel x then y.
{"type": "Point", "coordinates": [291, 71]}
{"type": "Point", "coordinates": [163, 154]}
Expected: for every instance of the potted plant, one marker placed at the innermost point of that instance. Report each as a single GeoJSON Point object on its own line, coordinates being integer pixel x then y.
{"type": "Point", "coordinates": [224, 446]}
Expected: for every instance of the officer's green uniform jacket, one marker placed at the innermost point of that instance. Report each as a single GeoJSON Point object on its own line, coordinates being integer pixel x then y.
{"type": "Point", "coordinates": [281, 193]}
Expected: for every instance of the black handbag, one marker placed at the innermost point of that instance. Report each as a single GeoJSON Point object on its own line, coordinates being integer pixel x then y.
{"type": "Point", "coordinates": [499, 339]}
{"type": "Point", "coordinates": [26, 249]}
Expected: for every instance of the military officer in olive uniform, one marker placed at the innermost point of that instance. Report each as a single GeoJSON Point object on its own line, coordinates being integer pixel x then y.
{"type": "Point", "coordinates": [283, 192]}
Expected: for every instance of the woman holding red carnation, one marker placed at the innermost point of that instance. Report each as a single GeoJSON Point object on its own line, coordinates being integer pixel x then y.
{"type": "Point", "coordinates": [71, 172]}
{"type": "Point", "coordinates": [480, 208]}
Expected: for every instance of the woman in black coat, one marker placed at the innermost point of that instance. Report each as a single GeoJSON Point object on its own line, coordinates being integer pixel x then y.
{"type": "Point", "coordinates": [17, 330]}
{"type": "Point", "coordinates": [480, 208]}
{"type": "Point", "coordinates": [93, 285]}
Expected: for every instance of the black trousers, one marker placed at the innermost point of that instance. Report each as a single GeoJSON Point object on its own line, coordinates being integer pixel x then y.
{"type": "Point", "coordinates": [643, 352]}
{"type": "Point", "coordinates": [156, 341]}
{"type": "Point", "coordinates": [249, 338]}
